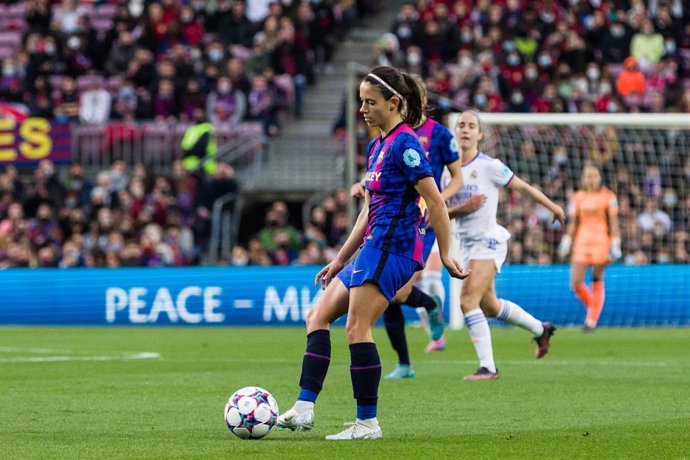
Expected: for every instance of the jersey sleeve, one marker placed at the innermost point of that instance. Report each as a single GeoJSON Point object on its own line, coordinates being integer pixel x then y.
{"type": "Point", "coordinates": [449, 147]}
{"type": "Point", "coordinates": [410, 159]}
{"type": "Point", "coordinates": [501, 175]}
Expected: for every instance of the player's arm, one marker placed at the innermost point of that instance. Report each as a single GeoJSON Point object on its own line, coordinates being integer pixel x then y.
{"type": "Point", "coordinates": [326, 274]}
{"type": "Point", "coordinates": [615, 233]}
{"type": "Point", "coordinates": [567, 239]}
{"type": "Point", "coordinates": [455, 184]}
{"type": "Point", "coordinates": [467, 206]}
{"type": "Point", "coordinates": [537, 196]}
{"type": "Point", "coordinates": [438, 215]}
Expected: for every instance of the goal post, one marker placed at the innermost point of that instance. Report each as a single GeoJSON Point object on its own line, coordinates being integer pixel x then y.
{"type": "Point", "coordinates": [643, 158]}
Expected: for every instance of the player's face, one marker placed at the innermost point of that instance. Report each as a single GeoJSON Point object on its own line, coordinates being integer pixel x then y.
{"type": "Point", "coordinates": [376, 110]}
{"type": "Point", "coordinates": [467, 131]}
{"type": "Point", "coordinates": [591, 179]}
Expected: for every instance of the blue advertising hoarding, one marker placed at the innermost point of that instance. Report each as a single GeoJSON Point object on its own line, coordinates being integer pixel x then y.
{"type": "Point", "coordinates": [250, 296]}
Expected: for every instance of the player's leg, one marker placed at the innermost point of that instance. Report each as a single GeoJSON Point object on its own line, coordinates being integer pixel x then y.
{"type": "Point", "coordinates": [394, 321]}
{"type": "Point", "coordinates": [512, 313]}
{"type": "Point", "coordinates": [473, 289]}
{"type": "Point", "coordinates": [331, 305]}
{"type": "Point", "coordinates": [577, 283]}
{"type": "Point", "coordinates": [598, 296]}
{"type": "Point", "coordinates": [378, 276]}
{"type": "Point", "coordinates": [431, 283]}
{"type": "Point", "coordinates": [367, 303]}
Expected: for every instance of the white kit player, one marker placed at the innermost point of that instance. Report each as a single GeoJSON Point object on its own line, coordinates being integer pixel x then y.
{"type": "Point", "coordinates": [484, 244]}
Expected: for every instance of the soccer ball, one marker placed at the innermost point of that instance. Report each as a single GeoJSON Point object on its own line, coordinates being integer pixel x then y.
{"type": "Point", "coordinates": [251, 413]}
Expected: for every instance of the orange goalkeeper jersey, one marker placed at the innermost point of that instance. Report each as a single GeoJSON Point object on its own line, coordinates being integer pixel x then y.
{"type": "Point", "coordinates": [592, 210]}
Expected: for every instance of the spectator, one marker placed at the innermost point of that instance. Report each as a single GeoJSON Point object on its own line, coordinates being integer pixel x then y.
{"type": "Point", "coordinates": [647, 46]}
{"type": "Point", "coordinates": [226, 105]}
{"type": "Point", "coordinates": [654, 219]}
{"type": "Point", "coordinates": [95, 104]}
{"type": "Point", "coordinates": [630, 80]}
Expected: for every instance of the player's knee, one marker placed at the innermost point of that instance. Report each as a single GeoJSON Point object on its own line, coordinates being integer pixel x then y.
{"type": "Point", "coordinates": [315, 320]}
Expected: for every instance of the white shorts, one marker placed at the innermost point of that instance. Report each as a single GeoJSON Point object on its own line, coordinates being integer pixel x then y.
{"type": "Point", "coordinates": [488, 249]}
{"type": "Point", "coordinates": [434, 248]}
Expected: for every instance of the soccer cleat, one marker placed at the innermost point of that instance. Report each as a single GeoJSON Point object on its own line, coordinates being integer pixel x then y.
{"type": "Point", "coordinates": [588, 327]}
{"type": "Point", "coordinates": [436, 345]}
{"type": "Point", "coordinates": [361, 429]}
{"type": "Point", "coordinates": [436, 320]}
{"type": "Point", "coordinates": [544, 340]}
{"type": "Point", "coordinates": [296, 420]}
{"type": "Point", "coordinates": [482, 374]}
{"type": "Point", "coordinates": [403, 371]}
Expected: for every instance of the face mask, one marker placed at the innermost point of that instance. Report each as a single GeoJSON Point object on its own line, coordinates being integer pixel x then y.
{"type": "Point", "coordinates": [604, 88]}
{"type": "Point", "coordinates": [215, 55]}
{"type": "Point", "coordinates": [466, 61]}
{"type": "Point", "coordinates": [517, 98]}
{"type": "Point", "coordinates": [544, 60]}
{"type": "Point", "coordinates": [513, 59]}
{"type": "Point", "coordinates": [414, 58]}
{"type": "Point", "coordinates": [467, 37]}
{"type": "Point", "coordinates": [480, 100]}
{"type": "Point", "coordinates": [612, 107]}
{"type": "Point", "coordinates": [670, 46]}
{"type": "Point", "coordinates": [593, 73]}
{"type": "Point", "coordinates": [49, 49]}
{"type": "Point", "coordinates": [126, 92]}
{"type": "Point", "coordinates": [186, 18]}
{"type": "Point", "coordinates": [73, 43]}
{"type": "Point", "coordinates": [531, 74]}
{"type": "Point", "coordinates": [404, 32]}
{"type": "Point", "coordinates": [509, 46]}
{"type": "Point", "coordinates": [670, 199]}
{"type": "Point", "coordinates": [617, 31]}
{"type": "Point", "coordinates": [8, 71]}
{"type": "Point", "coordinates": [225, 89]}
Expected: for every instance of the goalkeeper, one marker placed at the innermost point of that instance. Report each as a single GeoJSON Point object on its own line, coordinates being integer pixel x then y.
{"type": "Point", "coordinates": [595, 239]}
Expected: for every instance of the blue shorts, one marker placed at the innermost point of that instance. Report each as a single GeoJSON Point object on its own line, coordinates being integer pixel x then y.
{"type": "Point", "coordinates": [388, 271]}
{"type": "Point", "coordinates": [429, 240]}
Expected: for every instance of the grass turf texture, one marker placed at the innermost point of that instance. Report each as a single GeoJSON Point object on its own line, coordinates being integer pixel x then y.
{"type": "Point", "coordinates": [615, 393]}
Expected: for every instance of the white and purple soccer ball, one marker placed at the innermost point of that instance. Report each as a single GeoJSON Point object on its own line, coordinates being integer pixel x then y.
{"type": "Point", "coordinates": [251, 413]}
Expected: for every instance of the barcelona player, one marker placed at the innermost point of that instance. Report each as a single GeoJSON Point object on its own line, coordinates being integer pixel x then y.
{"type": "Point", "coordinates": [425, 290]}
{"type": "Point", "coordinates": [390, 230]}
{"type": "Point", "coordinates": [594, 236]}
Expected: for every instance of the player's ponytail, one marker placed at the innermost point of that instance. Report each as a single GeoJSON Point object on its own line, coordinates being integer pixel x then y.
{"type": "Point", "coordinates": [393, 83]}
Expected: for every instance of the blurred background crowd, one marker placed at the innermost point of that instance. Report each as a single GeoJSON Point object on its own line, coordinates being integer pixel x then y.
{"type": "Point", "coordinates": [233, 61]}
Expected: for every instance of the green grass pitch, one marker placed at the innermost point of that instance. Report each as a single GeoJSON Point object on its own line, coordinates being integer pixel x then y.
{"type": "Point", "coordinates": [615, 393]}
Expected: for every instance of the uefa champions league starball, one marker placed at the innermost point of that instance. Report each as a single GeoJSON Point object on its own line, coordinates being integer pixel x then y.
{"type": "Point", "coordinates": [251, 413]}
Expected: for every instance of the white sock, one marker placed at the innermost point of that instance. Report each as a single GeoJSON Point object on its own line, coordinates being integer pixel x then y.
{"type": "Point", "coordinates": [431, 284]}
{"type": "Point", "coordinates": [481, 338]}
{"type": "Point", "coordinates": [303, 406]}
{"type": "Point", "coordinates": [514, 314]}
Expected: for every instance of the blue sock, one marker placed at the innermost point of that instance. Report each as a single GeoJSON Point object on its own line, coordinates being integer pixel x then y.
{"type": "Point", "coordinates": [395, 328]}
{"type": "Point", "coordinates": [315, 363]}
{"type": "Point", "coordinates": [365, 370]}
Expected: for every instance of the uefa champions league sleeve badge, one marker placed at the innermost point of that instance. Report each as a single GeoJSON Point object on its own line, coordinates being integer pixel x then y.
{"type": "Point", "coordinates": [411, 158]}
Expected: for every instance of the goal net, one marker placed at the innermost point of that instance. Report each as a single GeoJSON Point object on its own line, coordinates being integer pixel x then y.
{"type": "Point", "coordinates": [645, 160]}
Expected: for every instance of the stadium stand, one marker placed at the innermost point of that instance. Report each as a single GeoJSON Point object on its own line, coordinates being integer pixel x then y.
{"type": "Point", "coordinates": [128, 76]}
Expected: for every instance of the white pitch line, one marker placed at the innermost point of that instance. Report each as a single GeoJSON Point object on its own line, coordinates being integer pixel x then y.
{"type": "Point", "coordinates": [47, 359]}
{"type": "Point", "coordinates": [582, 362]}
{"type": "Point", "coordinates": [32, 350]}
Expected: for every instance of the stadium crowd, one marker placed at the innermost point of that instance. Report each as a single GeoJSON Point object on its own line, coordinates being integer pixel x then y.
{"type": "Point", "coordinates": [236, 60]}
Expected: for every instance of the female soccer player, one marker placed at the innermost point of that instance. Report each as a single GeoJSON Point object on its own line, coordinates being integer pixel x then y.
{"type": "Point", "coordinates": [425, 290]}
{"type": "Point", "coordinates": [593, 228]}
{"type": "Point", "coordinates": [484, 244]}
{"type": "Point", "coordinates": [390, 229]}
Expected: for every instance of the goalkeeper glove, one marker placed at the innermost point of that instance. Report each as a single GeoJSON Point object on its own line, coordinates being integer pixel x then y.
{"type": "Point", "coordinates": [616, 253]}
{"type": "Point", "coordinates": [564, 247]}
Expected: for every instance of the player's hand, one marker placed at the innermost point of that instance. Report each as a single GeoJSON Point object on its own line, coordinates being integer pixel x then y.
{"type": "Point", "coordinates": [473, 203]}
{"type": "Point", "coordinates": [357, 190]}
{"type": "Point", "coordinates": [559, 215]}
{"type": "Point", "coordinates": [564, 247]}
{"type": "Point", "coordinates": [454, 268]}
{"type": "Point", "coordinates": [327, 273]}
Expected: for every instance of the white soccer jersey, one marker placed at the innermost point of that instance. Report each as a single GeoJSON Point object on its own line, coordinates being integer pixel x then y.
{"type": "Point", "coordinates": [483, 175]}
